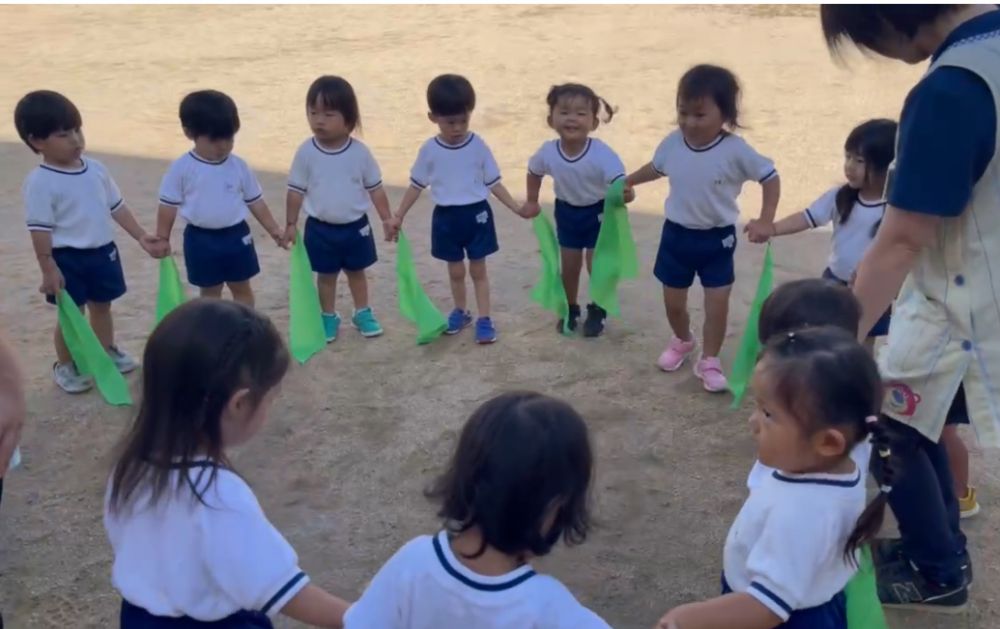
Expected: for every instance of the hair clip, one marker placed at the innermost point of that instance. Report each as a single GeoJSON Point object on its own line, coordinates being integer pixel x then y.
{"type": "Point", "coordinates": [884, 452]}
{"type": "Point", "coordinates": [871, 419]}
{"type": "Point", "coordinates": [885, 488]}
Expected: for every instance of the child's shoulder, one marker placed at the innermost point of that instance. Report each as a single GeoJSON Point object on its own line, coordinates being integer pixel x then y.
{"type": "Point", "coordinates": [562, 609]}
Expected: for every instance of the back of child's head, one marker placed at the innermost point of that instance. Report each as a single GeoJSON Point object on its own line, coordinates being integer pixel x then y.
{"type": "Point", "coordinates": [809, 302]}
{"type": "Point", "coordinates": [201, 355]}
{"type": "Point", "coordinates": [335, 93]}
{"type": "Point", "coordinates": [211, 114]}
{"type": "Point", "coordinates": [450, 95]}
{"type": "Point", "coordinates": [523, 458]}
{"type": "Point", "coordinates": [716, 83]}
{"type": "Point", "coordinates": [567, 93]}
{"type": "Point", "coordinates": [41, 113]}
{"type": "Point", "coordinates": [874, 141]}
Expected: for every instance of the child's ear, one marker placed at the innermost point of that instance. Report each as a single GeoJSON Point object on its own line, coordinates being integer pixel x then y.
{"type": "Point", "coordinates": [548, 121]}
{"type": "Point", "coordinates": [830, 443]}
{"type": "Point", "coordinates": [188, 134]}
{"type": "Point", "coordinates": [432, 117]}
{"type": "Point", "coordinates": [239, 403]}
{"type": "Point", "coordinates": [34, 143]}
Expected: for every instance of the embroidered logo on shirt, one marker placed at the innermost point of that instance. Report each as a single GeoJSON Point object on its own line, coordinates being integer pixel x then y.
{"type": "Point", "coordinates": [729, 241]}
{"type": "Point", "coordinates": [901, 399]}
{"type": "Point", "coordinates": [366, 230]}
{"type": "Point", "coordinates": [482, 217]}
{"type": "Point", "coordinates": [248, 240]}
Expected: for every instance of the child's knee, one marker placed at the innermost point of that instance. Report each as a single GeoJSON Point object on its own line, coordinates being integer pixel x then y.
{"type": "Point", "coordinates": [477, 269]}
{"type": "Point", "coordinates": [99, 308]}
{"type": "Point", "coordinates": [242, 289]}
{"type": "Point", "coordinates": [456, 271]}
{"type": "Point", "coordinates": [326, 279]}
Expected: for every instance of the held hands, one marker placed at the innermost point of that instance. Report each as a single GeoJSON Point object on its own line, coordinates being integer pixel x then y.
{"type": "Point", "coordinates": [390, 228]}
{"type": "Point", "coordinates": [759, 231]}
{"type": "Point", "coordinates": [155, 246]}
{"type": "Point", "coordinates": [289, 236]}
{"type": "Point", "coordinates": [529, 210]}
{"type": "Point", "coordinates": [278, 236]}
{"type": "Point", "coordinates": [628, 193]}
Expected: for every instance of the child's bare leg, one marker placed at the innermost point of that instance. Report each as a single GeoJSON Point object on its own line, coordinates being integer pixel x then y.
{"type": "Point", "coordinates": [214, 292]}
{"type": "Point", "coordinates": [62, 352]}
{"type": "Point", "coordinates": [481, 284]}
{"type": "Point", "coordinates": [357, 281]}
{"type": "Point", "coordinates": [101, 322]}
{"type": "Point", "coordinates": [326, 286]}
{"type": "Point", "coordinates": [590, 261]}
{"type": "Point", "coordinates": [716, 318]}
{"type": "Point", "coordinates": [675, 303]}
{"type": "Point", "coordinates": [242, 292]}
{"type": "Point", "coordinates": [456, 277]}
{"type": "Point", "coordinates": [572, 263]}
{"type": "Point", "coordinates": [958, 459]}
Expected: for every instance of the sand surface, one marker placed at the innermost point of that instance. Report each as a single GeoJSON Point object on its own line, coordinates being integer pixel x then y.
{"type": "Point", "coordinates": [361, 429]}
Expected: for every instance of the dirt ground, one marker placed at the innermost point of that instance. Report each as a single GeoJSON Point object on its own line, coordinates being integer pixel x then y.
{"type": "Point", "coordinates": [360, 429]}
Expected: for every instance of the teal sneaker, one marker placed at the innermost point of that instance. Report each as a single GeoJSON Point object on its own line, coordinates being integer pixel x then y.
{"type": "Point", "coordinates": [366, 323]}
{"type": "Point", "coordinates": [331, 324]}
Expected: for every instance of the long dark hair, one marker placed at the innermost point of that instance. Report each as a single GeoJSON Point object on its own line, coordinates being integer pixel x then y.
{"type": "Point", "coordinates": [875, 142]}
{"type": "Point", "coordinates": [826, 379]}
{"type": "Point", "coordinates": [575, 90]}
{"type": "Point", "coordinates": [520, 454]}
{"type": "Point", "coordinates": [196, 359]}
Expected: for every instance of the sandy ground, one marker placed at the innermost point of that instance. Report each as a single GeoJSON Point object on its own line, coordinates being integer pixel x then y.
{"type": "Point", "coordinates": [360, 429]}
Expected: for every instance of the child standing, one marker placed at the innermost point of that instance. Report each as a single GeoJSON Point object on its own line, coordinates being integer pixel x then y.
{"type": "Point", "coordinates": [70, 201]}
{"type": "Point", "coordinates": [791, 550]}
{"type": "Point", "coordinates": [517, 483]}
{"type": "Point", "coordinates": [707, 165]}
{"type": "Point", "coordinates": [191, 545]}
{"type": "Point", "coordinates": [212, 189]}
{"type": "Point", "coordinates": [336, 179]}
{"type": "Point", "coordinates": [582, 168]}
{"type": "Point", "coordinates": [461, 172]}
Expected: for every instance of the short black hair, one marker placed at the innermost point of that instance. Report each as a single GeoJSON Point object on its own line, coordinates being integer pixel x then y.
{"type": "Point", "coordinates": [576, 90]}
{"type": "Point", "coordinates": [41, 113]}
{"type": "Point", "coordinates": [210, 113]}
{"type": "Point", "coordinates": [334, 92]}
{"type": "Point", "coordinates": [866, 25]}
{"type": "Point", "coordinates": [518, 455]}
{"type": "Point", "coordinates": [806, 303]}
{"type": "Point", "coordinates": [450, 95]}
{"type": "Point", "coordinates": [715, 82]}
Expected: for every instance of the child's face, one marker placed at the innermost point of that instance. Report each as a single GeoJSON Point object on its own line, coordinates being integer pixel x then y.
{"type": "Point", "coordinates": [453, 128]}
{"type": "Point", "coordinates": [213, 149]}
{"type": "Point", "coordinates": [62, 147]}
{"type": "Point", "coordinates": [700, 120]}
{"type": "Point", "coordinates": [572, 118]}
{"type": "Point", "coordinates": [854, 170]}
{"type": "Point", "coordinates": [328, 125]}
{"type": "Point", "coordinates": [242, 419]}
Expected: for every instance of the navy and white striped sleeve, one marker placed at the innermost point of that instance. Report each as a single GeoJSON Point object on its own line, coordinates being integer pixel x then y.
{"type": "Point", "coordinates": [822, 210]}
{"type": "Point", "coordinates": [420, 173]}
{"type": "Point", "coordinates": [39, 206]}
{"type": "Point", "coordinates": [612, 165]}
{"type": "Point", "coordinates": [298, 176]}
{"type": "Point", "coordinates": [115, 198]}
{"type": "Point", "coordinates": [172, 185]}
{"type": "Point", "coordinates": [252, 191]}
{"type": "Point", "coordinates": [753, 165]}
{"type": "Point", "coordinates": [661, 157]}
{"type": "Point", "coordinates": [371, 174]}
{"type": "Point", "coordinates": [491, 170]}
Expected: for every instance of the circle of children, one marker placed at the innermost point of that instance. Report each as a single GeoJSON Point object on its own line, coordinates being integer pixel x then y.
{"type": "Point", "coordinates": [191, 543]}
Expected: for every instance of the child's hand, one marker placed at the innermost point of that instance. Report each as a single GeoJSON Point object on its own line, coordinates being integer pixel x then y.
{"type": "Point", "coordinates": [758, 231]}
{"type": "Point", "coordinates": [669, 621]}
{"type": "Point", "coordinates": [390, 228]}
{"type": "Point", "coordinates": [289, 235]}
{"type": "Point", "coordinates": [155, 246]}
{"type": "Point", "coordinates": [278, 237]}
{"type": "Point", "coordinates": [530, 209]}
{"type": "Point", "coordinates": [52, 281]}
{"type": "Point", "coordinates": [628, 193]}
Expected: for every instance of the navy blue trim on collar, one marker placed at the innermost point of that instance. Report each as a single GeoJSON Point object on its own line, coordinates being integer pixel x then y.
{"type": "Point", "coordinates": [67, 172]}
{"type": "Point", "coordinates": [324, 151]}
{"type": "Point", "coordinates": [876, 204]}
{"type": "Point", "coordinates": [464, 580]}
{"type": "Point", "coordinates": [976, 28]}
{"type": "Point", "coordinates": [714, 143]}
{"type": "Point", "coordinates": [454, 147]}
{"type": "Point", "coordinates": [205, 161]}
{"type": "Point", "coordinates": [818, 479]}
{"type": "Point", "coordinates": [284, 590]}
{"type": "Point", "coordinates": [573, 160]}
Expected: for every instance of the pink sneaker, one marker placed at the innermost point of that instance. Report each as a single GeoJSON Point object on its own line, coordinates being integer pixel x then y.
{"type": "Point", "coordinates": [673, 357]}
{"type": "Point", "coordinates": [710, 372]}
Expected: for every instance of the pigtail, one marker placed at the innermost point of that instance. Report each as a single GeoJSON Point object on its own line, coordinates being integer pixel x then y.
{"type": "Point", "coordinates": [609, 111]}
{"type": "Point", "coordinates": [870, 521]}
{"type": "Point", "coordinates": [846, 198]}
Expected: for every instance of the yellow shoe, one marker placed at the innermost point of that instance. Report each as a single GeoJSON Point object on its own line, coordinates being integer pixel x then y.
{"type": "Point", "coordinates": [967, 504]}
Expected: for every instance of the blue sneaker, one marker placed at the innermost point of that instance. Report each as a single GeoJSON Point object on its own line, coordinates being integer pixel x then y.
{"type": "Point", "coordinates": [458, 320]}
{"type": "Point", "coordinates": [485, 332]}
{"type": "Point", "coordinates": [364, 320]}
{"type": "Point", "coordinates": [331, 324]}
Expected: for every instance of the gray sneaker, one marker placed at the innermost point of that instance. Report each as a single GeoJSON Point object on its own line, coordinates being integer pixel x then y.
{"type": "Point", "coordinates": [124, 362]}
{"type": "Point", "coordinates": [69, 379]}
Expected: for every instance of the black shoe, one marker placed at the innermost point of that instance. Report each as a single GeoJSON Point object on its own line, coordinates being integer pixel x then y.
{"type": "Point", "coordinates": [574, 316]}
{"type": "Point", "coordinates": [902, 586]}
{"type": "Point", "coordinates": [887, 551]}
{"type": "Point", "coordinates": [594, 324]}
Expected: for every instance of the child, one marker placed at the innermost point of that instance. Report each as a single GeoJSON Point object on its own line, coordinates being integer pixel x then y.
{"type": "Point", "coordinates": [459, 168]}
{"type": "Point", "coordinates": [855, 208]}
{"type": "Point", "coordinates": [707, 165]}
{"type": "Point", "coordinates": [582, 168]}
{"type": "Point", "coordinates": [517, 483]}
{"type": "Point", "coordinates": [336, 179]}
{"type": "Point", "coordinates": [191, 545]}
{"type": "Point", "coordinates": [791, 549]}
{"type": "Point", "coordinates": [68, 201]}
{"type": "Point", "coordinates": [212, 189]}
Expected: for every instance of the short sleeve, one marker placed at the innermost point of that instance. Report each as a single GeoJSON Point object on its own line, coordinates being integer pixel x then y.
{"type": "Point", "coordinates": [822, 210]}
{"type": "Point", "coordinates": [611, 165]}
{"type": "Point", "coordinates": [754, 166]}
{"type": "Point", "coordinates": [371, 174]}
{"type": "Point", "coordinates": [298, 176]}
{"type": "Point", "coordinates": [245, 555]}
{"type": "Point", "coordinates": [382, 603]}
{"type": "Point", "coordinates": [947, 137]}
{"type": "Point", "coordinates": [115, 199]}
{"type": "Point", "coordinates": [660, 156]}
{"type": "Point", "coordinates": [491, 171]}
{"type": "Point", "coordinates": [39, 206]}
{"type": "Point", "coordinates": [172, 186]}
{"type": "Point", "coordinates": [420, 173]}
{"type": "Point", "coordinates": [251, 187]}
{"type": "Point", "coordinates": [538, 165]}
{"type": "Point", "coordinates": [563, 611]}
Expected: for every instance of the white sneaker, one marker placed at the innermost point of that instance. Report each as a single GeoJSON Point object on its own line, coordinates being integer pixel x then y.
{"type": "Point", "coordinates": [69, 379]}
{"type": "Point", "coordinates": [124, 362]}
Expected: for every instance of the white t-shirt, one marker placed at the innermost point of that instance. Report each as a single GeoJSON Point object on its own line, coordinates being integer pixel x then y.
{"type": "Point", "coordinates": [850, 239]}
{"type": "Point", "coordinates": [212, 195]}
{"type": "Point", "coordinates": [582, 179]}
{"type": "Point", "coordinates": [786, 546]}
{"type": "Point", "coordinates": [207, 561]}
{"type": "Point", "coordinates": [704, 182]}
{"type": "Point", "coordinates": [861, 455]}
{"type": "Point", "coordinates": [336, 184]}
{"type": "Point", "coordinates": [75, 205]}
{"type": "Point", "coordinates": [423, 586]}
{"type": "Point", "coordinates": [457, 174]}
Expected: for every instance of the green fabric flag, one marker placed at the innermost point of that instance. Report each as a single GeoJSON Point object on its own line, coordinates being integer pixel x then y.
{"type": "Point", "coordinates": [90, 356]}
{"type": "Point", "coordinates": [306, 336]}
{"type": "Point", "coordinates": [549, 292]}
{"type": "Point", "coordinates": [746, 356]}
{"type": "Point", "coordinates": [864, 610]}
{"type": "Point", "coordinates": [414, 304]}
{"type": "Point", "coordinates": [171, 293]}
{"type": "Point", "coordinates": [615, 257]}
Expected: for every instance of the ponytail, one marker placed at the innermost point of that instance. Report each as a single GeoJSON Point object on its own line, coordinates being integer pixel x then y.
{"type": "Point", "coordinates": [846, 198]}
{"type": "Point", "coordinates": [870, 521]}
{"type": "Point", "coordinates": [609, 111]}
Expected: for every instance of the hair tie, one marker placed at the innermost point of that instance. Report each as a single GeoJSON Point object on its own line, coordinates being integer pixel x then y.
{"type": "Point", "coordinates": [885, 489]}
{"type": "Point", "coordinates": [884, 453]}
{"type": "Point", "coordinates": [871, 419]}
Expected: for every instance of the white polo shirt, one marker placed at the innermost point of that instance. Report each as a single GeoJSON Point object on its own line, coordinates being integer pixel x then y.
{"type": "Point", "coordinates": [207, 561]}
{"type": "Point", "coordinates": [457, 174]}
{"type": "Point", "coordinates": [851, 239]}
{"type": "Point", "coordinates": [861, 455]}
{"type": "Point", "coordinates": [74, 205]}
{"type": "Point", "coordinates": [579, 179]}
{"type": "Point", "coordinates": [786, 546]}
{"type": "Point", "coordinates": [423, 586]}
{"type": "Point", "coordinates": [336, 184]}
{"type": "Point", "coordinates": [705, 181]}
{"type": "Point", "coordinates": [212, 195]}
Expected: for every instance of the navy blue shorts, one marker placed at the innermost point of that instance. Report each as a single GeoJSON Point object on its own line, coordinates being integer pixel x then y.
{"type": "Point", "coordinates": [830, 615]}
{"type": "Point", "coordinates": [463, 231]}
{"type": "Point", "coordinates": [216, 256]}
{"type": "Point", "coordinates": [135, 617]}
{"type": "Point", "coordinates": [685, 253]}
{"type": "Point", "coordinates": [578, 226]}
{"type": "Point", "coordinates": [91, 274]}
{"type": "Point", "coordinates": [881, 327]}
{"type": "Point", "coordinates": [958, 412]}
{"type": "Point", "coordinates": [333, 248]}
